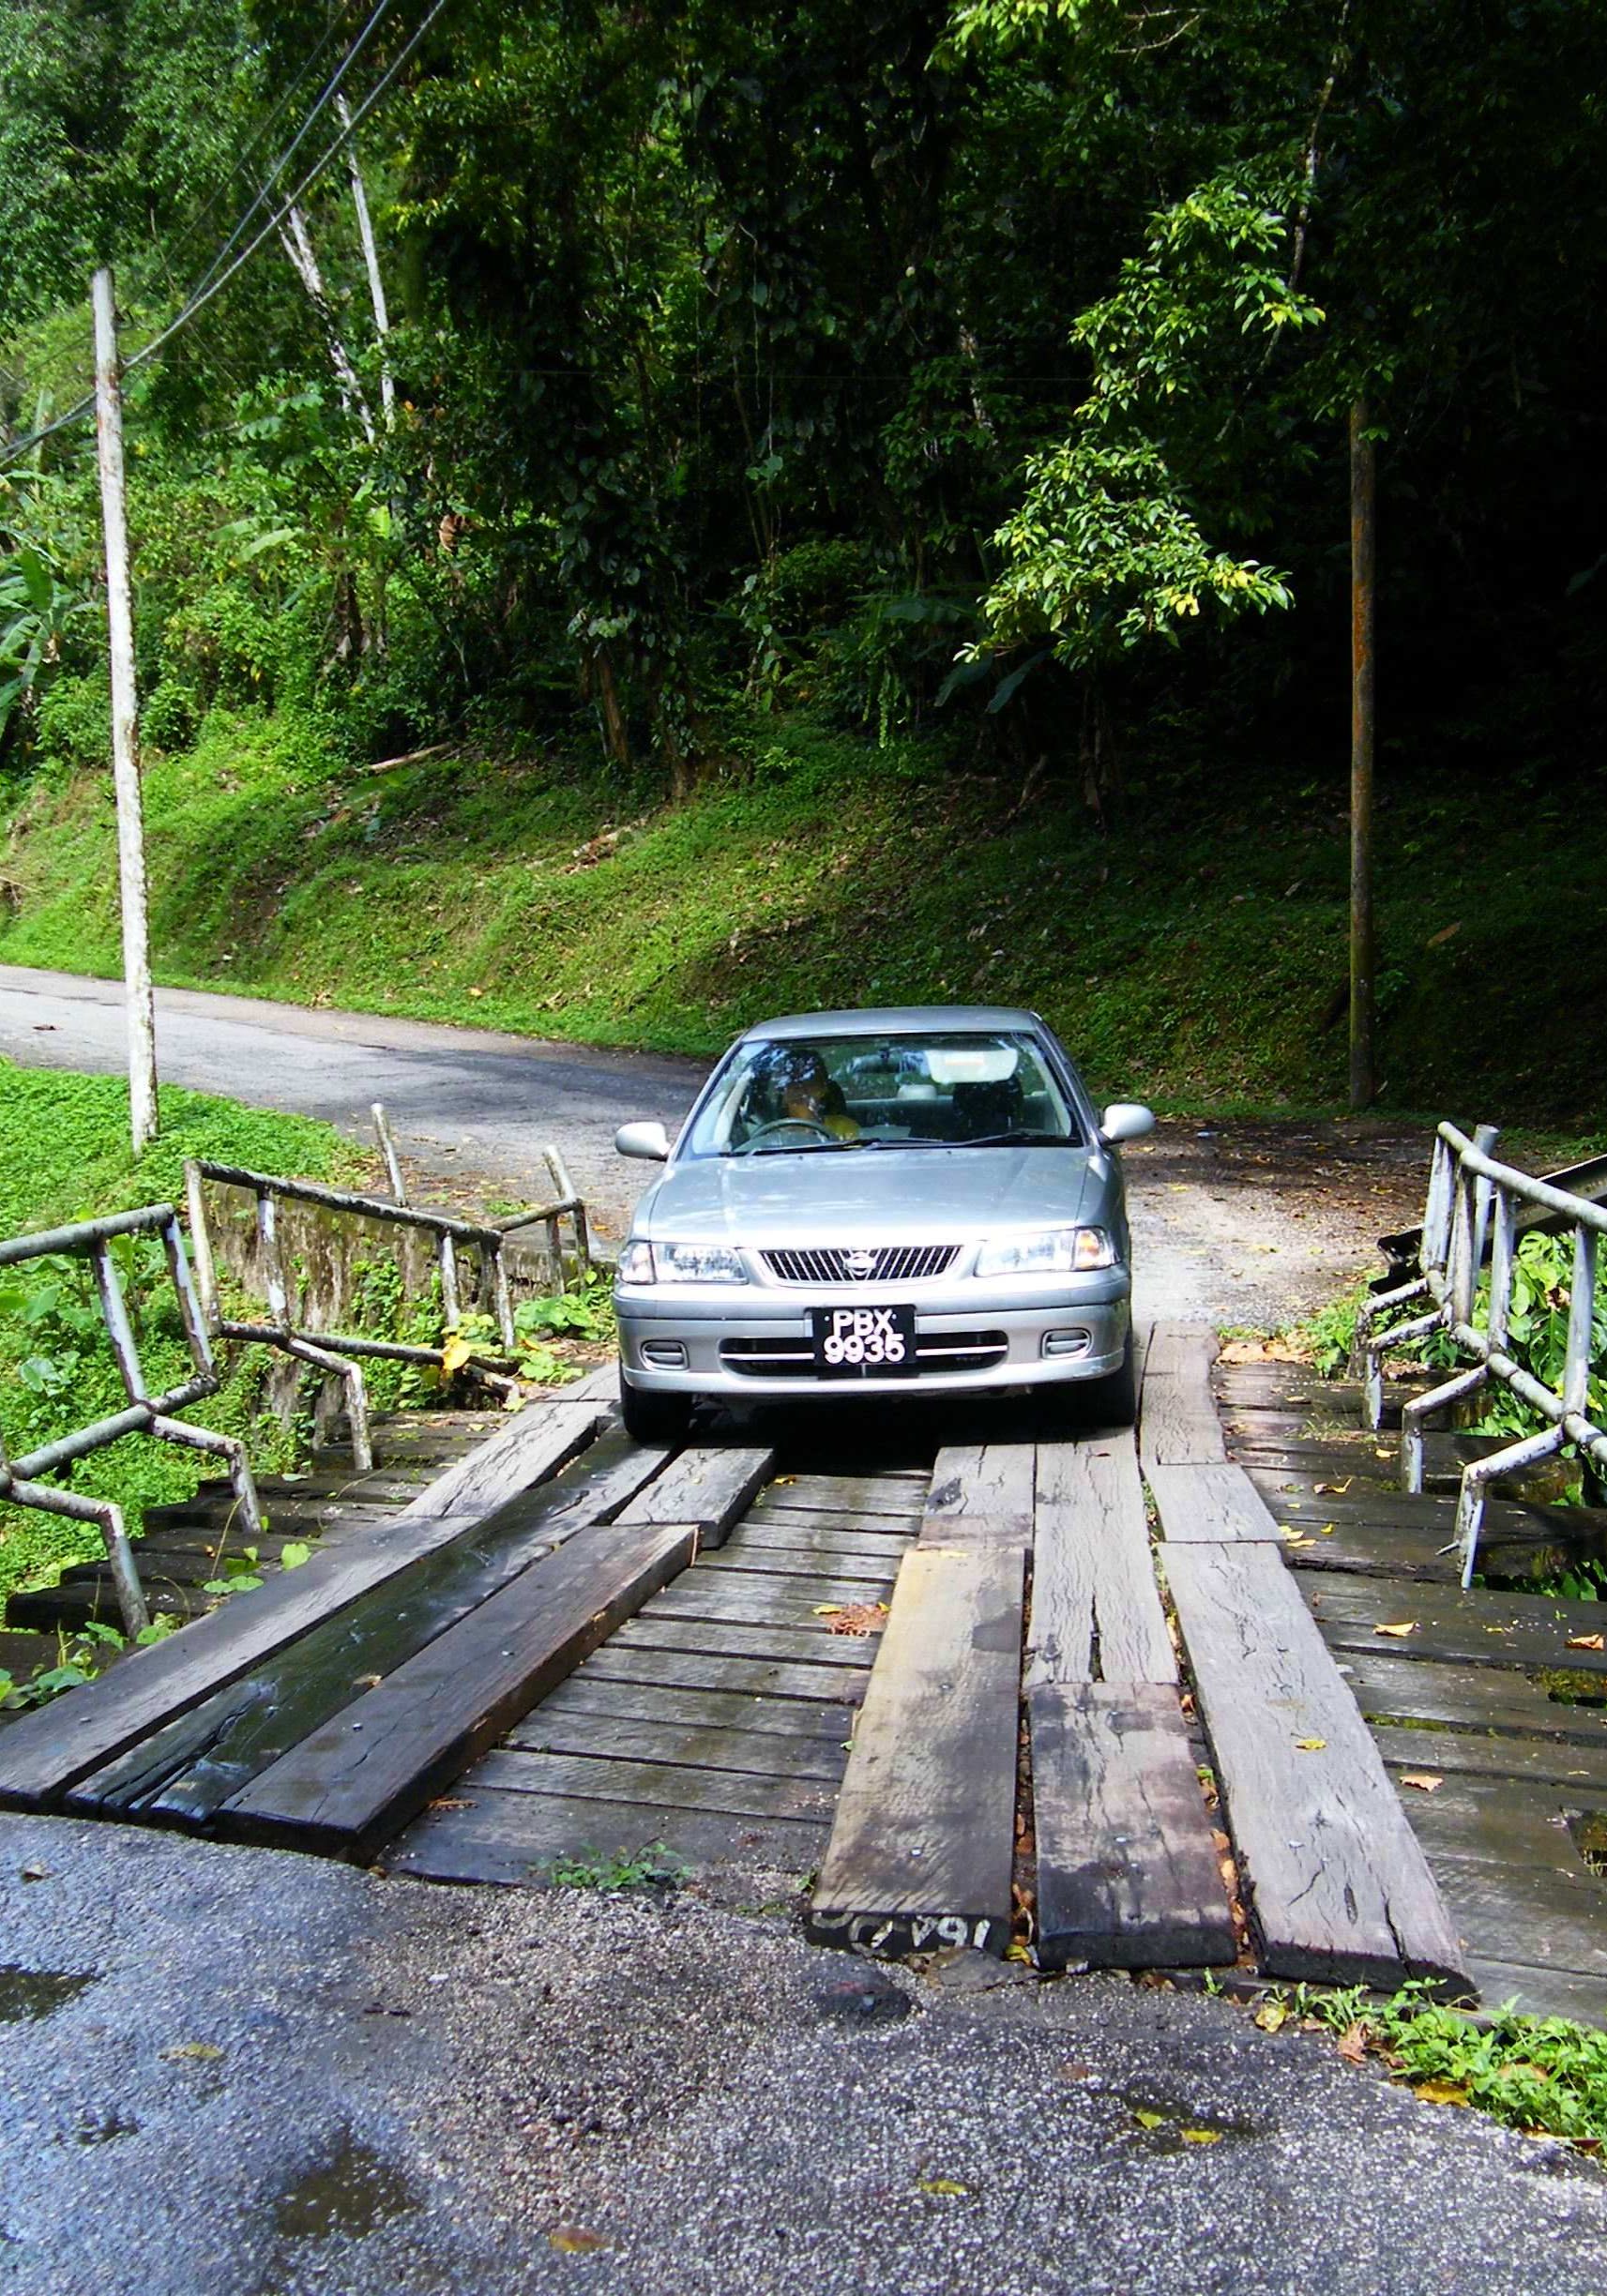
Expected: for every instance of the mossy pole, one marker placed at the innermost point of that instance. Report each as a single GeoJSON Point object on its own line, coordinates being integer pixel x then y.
{"type": "Point", "coordinates": [1363, 545]}
{"type": "Point", "coordinates": [141, 1002]}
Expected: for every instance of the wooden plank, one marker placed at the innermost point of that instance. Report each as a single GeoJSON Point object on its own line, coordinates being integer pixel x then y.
{"type": "Point", "coordinates": [514, 1839]}
{"type": "Point", "coordinates": [867, 1496]}
{"type": "Point", "coordinates": [1553, 1921]}
{"type": "Point", "coordinates": [741, 1561]}
{"type": "Point", "coordinates": [774, 1678]}
{"type": "Point", "coordinates": [1573, 1770]}
{"type": "Point", "coordinates": [428, 1721]}
{"type": "Point", "coordinates": [655, 1707]}
{"type": "Point", "coordinates": [825, 1534]}
{"type": "Point", "coordinates": [1178, 1425]}
{"type": "Point", "coordinates": [1463, 1698]}
{"type": "Point", "coordinates": [188, 1768]}
{"type": "Point", "coordinates": [599, 1777]}
{"type": "Point", "coordinates": [1540, 1992]}
{"type": "Point", "coordinates": [1092, 1569]}
{"type": "Point", "coordinates": [1479, 1628]}
{"type": "Point", "coordinates": [1127, 1874]}
{"type": "Point", "coordinates": [709, 1639]}
{"type": "Point", "coordinates": [1209, 1503]}
{"type": "Point", "coordinates": [775, 1525]}
{"type": "Point", "coordinates": [921, 1851]}
{"type": "Point", "coordinates": [803, 1603]}
{"type": "Point", "coordinates": [685, 1747]}
{"type": "Point", "coordinates": [1335, 1882]}
{"type": "Point", "coordinates": [981, 1493]}
{"type": "Point", "coordinates": [710, 1488]}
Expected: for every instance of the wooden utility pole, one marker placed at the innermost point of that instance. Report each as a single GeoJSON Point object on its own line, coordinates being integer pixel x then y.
{"type": "Point", "coordinates": [1363, 545]}
{"type": "Point", "coordinates": [124, 724]}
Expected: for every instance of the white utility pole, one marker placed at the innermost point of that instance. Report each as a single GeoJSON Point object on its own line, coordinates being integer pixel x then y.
{"type": "Point", "coordinates": [371, 262]}
{"type": "Point", "coordinates": [124, 724]}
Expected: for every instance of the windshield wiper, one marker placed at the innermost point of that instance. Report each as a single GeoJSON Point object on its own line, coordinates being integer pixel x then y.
{"type": "Point", "coordinates": [1015, 1139]}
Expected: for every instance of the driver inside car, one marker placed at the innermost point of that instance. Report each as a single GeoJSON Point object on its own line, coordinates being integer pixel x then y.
{"type": "Point", "coordinates": [808, 1095]}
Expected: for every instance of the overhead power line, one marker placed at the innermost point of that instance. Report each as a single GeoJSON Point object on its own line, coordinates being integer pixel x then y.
{"type": "Point", "coordinates": [213, 280]}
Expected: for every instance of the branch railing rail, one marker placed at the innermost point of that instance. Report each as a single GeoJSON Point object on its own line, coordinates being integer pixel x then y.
{"type": "Point", "coordinates": [1474, 1206]}
{"type": "Point", "coordinates": [146, 1414]}
{"type": "Point", "coordinates": [337, 1353]}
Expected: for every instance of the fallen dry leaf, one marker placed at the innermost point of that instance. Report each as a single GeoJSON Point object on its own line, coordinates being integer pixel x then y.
{"type": "Point", "coordinates": [860, 1619]}
{"type": "Point", "coordinates": [1272, 2015]}
{"type": "Point", "coordinates": [1401, 1630]}
{"type": "Point", "coordinates": [1440, 2091]}
{"type": "Point", "coordinates": [1424, 1781]}
{"type": "Point", "coordinates": [1587, 1642]}
{"type": "Point", "coordinates": [574, 2239]}
{"type": "Point", "coordinates": [947, 2187]}
{"type": "Point", "coordinates": [1336, 1490]}
{"type": "Point", "coordinates": [201, 2052]}
{"type": "Point", "coordinates": [1353, 2042]}
{"type": "Point", "coordinates": [829, 1610]}
{"type": "Point", "coordinates": [1311, 1746]}
{"type": "Point", "coordinates": [1201, 2135]}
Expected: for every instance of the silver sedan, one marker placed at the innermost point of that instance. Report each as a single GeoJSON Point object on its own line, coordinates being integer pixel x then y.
{"type": "Point", "coordinates": [915, 1200]}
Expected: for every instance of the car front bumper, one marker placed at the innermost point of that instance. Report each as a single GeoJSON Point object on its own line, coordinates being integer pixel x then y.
{"type": "Point", "coordinates": [754, 1342]}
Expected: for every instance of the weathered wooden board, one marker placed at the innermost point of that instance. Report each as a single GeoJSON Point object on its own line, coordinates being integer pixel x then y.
{"type": "Point", "coordinates": [1554, 1920]}
{"type": "Point", "coordinates": [1335, 1882]}
{"type": "Point", "coordinates": [700, 1745]}
{"type": "Point", "coordinates": [865, 1496]}
{"type": "Point", "coordinates": [1128, 1874]}
{"type": "Point", "coordinates": [775, 1525]}
{"type": "Point", "coordinates": [718, 1639]}
{"type": "Point", "coordinates": [1210, 1504]}
{"type": "Point", "coordinates": [1463, 1698]}
{"type": "Point", "coordinates": [659, 1784]}
{"type": "Point", "coordinates": [981, 1493]}
{"type": "Point", "coordinates": [1092, 1569]}
{"type": "Point", "coordinates": [1479, 1628]}
{"type": "Point", "coordinates": [658, 1705]}
{"type": "Point", "coordinates": [359, 1779]}
{"type": "Point", "coordinates": [811, 1604]}
{"type": "Point", "coordinates": [1510, 1823]}
{"type": "Point", "coordinates": [744, 1560]}
{"type": "Point", "coordinates": [1178, 1425]}
{"type": "Point", "coordinates": [1575, 1771]}
{"type": "Point", "coordinates": [710, 1488]}
{"type": "Point", "coordinates": [515, 1838]}
{"type": "Point", "coordinates": [1540, 1992]}
{"type": "Point", "coordinates": [194, 1763]}
{"type": "Point", "coordinates": [921, 1848]}
{"type": "Point", "coordinates": [767, 1678]}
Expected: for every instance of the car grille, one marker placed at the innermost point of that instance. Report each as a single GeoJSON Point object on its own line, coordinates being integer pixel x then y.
{"type": "Point", "coordinates": [788, 1358]}
{"type": "Point", "coordinates": [892, 1263]}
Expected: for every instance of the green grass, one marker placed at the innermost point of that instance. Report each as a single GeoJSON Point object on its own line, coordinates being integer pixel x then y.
{"type": "Point", "coordinates": [1193, 954]}
{"type": "Point", "coordinates": [63, 1156]}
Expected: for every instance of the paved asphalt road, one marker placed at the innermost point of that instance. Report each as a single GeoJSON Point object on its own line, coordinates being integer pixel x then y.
{"type": "Point", "coordinates": [463, 1104]}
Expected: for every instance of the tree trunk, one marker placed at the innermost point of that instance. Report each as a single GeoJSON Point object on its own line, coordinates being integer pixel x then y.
{"type": "Point", "coordinates": [298, 245]}
{"type": "Point", "coordinates": [1363, 545]}
{"type": "Point", "coordinates": [371, 262]}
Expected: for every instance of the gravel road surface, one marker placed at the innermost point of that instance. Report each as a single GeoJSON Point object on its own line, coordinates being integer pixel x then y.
{"type": "Point", "coordinates": [251, 2074]}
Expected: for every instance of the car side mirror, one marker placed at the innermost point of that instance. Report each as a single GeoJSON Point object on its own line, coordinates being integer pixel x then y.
{"type": "Point", "coordinates": [650, 1143]}
{"type": "Point", "coordinates": [1125, 1119]}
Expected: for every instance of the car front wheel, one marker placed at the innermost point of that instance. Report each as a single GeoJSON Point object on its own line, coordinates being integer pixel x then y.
{"type": "Point", "coordinates": [1111, 1401]}
{"type": "Point", "coordinates": [652, 1417]}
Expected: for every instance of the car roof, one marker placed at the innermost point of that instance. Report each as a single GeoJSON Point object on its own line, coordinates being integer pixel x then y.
{"type": "Point", "coordinates": [894, 1021]}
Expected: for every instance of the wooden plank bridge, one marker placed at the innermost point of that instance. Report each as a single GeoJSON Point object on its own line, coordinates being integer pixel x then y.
{"type": "Point", "coordinates": [1157, 1702]}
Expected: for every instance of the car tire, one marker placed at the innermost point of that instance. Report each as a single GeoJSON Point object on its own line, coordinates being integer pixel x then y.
{"type": "Point", "coordinates": [1111, 1401]}
{"type": "Point", "coordinates": [653, 1417]}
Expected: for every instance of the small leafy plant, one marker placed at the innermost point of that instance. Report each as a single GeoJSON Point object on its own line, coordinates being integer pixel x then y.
{"type": "Point", "coordinates": [655, 1866]}
{"type": "Point", "coordinates": [79, 1657]}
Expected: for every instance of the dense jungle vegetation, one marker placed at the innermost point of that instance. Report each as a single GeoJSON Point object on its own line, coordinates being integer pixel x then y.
{"type": "Point", "coordinates": [841, 496]}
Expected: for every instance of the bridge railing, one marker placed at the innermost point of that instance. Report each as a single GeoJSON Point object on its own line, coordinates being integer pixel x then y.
{"type": "Point", "coordinates": [337, 1353]}
{"type": "Point", "coordinates": [146, 1414]}
{"type": "Point", "coordinates": [1474, 1207]}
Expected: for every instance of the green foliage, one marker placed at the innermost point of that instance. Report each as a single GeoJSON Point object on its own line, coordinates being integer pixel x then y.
{"type": "Point", "coordinates": [1329, 1335]}
{"type": "Point", "coordinates": [1545, 2074]}
{"type": "Point", "coordinates": [655, 1866]}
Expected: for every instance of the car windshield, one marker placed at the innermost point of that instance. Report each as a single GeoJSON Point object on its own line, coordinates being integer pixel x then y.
{"type": "Point", "coordinates": [914, 1091]}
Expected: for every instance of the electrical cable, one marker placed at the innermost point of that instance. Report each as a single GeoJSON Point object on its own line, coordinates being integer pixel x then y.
{"type": "Point", "coordinates": [213, 281]}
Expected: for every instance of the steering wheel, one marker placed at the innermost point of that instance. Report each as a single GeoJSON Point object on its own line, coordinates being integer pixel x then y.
{"type": "Point", "coordinates": [789, 1123]}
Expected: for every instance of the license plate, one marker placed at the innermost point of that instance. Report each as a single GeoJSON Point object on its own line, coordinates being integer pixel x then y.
{"type": "Point", "coordinates": [864, 1342]}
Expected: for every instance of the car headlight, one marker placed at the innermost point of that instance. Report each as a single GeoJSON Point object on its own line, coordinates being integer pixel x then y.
{"type": "Point", "coordinates": [695, 1263]}
{"type": "Point", "coordinates": [1055, 1251]}
{"type": "Point", "coordinates": [636, 1263]}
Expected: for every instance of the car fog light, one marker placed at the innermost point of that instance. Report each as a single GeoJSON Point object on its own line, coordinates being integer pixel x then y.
{"type": "Point", "coordinates": [664, 1355]}
{"type": "Point", "coordinates": [1066, 1343]}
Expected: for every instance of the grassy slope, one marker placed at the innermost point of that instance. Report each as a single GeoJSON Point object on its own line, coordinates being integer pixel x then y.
{"type": "Point", "coordinates": [1200, 963]}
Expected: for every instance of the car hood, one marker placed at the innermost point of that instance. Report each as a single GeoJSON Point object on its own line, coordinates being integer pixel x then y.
{"type": "Point", "coordinates": [930, 1195]}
